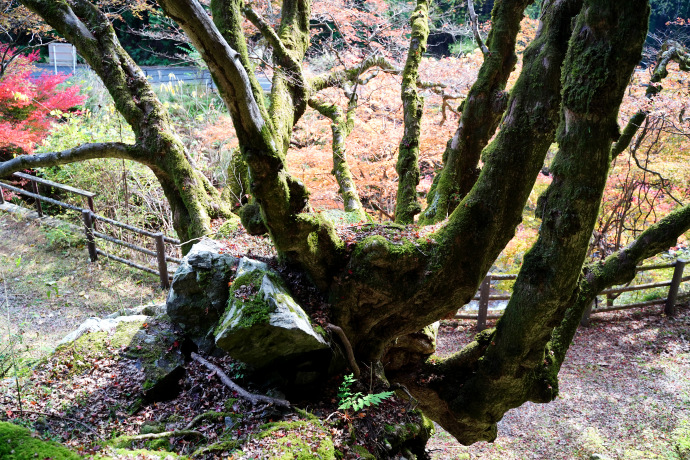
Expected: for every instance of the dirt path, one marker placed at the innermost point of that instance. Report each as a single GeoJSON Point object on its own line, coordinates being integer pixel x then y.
{"type": "Point", "coordinates": [50, 287]}
{"type": "Point", "coordinates": [624, 389]}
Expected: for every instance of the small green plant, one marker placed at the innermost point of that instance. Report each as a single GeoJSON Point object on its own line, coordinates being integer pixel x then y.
{"type": "Point", "coordinates": [358, 401]}
{"type": "Point", "coordinates": [62, 237]}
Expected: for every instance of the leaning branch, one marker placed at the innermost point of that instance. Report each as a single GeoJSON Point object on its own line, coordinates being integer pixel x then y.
{"type": "Point", "coordinates": [474, 21]}
{"type": "Point", "coordinates": [251, 397]}
{"type": "Point", "coordinates": [617, 269]}
{"type": "Point", "coordinates": [81, 153]}
{"type": "Point", "coordinates": [270, 35]}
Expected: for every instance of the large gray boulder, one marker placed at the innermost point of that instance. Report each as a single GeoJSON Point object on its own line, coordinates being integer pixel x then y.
{"type": "Point", "coordinates": [199, 291]}
{"type": "Point", "coordinates": [263, 325]}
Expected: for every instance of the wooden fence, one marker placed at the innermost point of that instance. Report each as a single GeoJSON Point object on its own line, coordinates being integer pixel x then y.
{"type": "Point", "coordinates": [484, 296]}
{"type": "Point", "coordinates": [669, 302]}
{"type": "Point", "coordinates": [89, 218]}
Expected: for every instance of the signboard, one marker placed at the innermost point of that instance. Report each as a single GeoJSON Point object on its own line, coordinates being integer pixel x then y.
{"type": "Point", "coordinates": [62, 54]}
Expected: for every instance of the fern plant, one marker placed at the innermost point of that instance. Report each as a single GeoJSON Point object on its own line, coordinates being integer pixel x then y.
{"type": "Point", "coordinates": [358, 401]}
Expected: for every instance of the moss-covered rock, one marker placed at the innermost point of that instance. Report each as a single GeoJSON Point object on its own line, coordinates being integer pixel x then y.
{"type": "Point", "coordinates": [149, 342]}
{"type": "Point", "coordinates": [263, 324]}
{"type": "Point", "coordinates": [199, 291]}
{"type": "Point", "coordinates": [17, 443]}
{"type": "Point", "coordinates": [409, 438]}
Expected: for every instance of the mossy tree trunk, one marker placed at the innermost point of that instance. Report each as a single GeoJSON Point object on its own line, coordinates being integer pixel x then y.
{"type": "Point", "coordinates": [481, 112]}
{"type": "Point", "coordinates": [380, 291]}
{"type": "Point", "coordinates": [407, 167]}
{"type": "Point", "coordinates": [193, 200]}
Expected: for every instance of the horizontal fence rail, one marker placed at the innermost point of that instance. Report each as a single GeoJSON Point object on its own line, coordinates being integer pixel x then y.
{"type": "Point", "coordinates": [484, 296]}
{"type": "Point", "coordinates": [89, 218]}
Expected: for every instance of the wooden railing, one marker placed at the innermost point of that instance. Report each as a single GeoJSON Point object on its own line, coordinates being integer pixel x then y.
{"type": "Point", "coordinates": [89, 218]}
{"type": "Point", "coordinates": [484, 295]}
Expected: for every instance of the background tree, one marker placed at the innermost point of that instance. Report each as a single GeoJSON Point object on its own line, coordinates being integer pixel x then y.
{"type": "Point", "coordinates": [569, 91]}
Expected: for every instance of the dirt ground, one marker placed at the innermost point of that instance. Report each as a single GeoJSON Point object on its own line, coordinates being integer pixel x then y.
{"type": "Point", "coordinates": [624, 389]}
{"type": "Point", "coordinates": [48, 286]}
{"type": "Point", "coordinates": [625, 385]}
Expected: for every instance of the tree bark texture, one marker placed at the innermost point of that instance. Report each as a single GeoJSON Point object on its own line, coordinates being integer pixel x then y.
{"type": "Point", "coordinates": [407, 206]}
{"type": "Point", "coordinates": [481, 113]}
{"type": "Point", "coordinates": [192, 198]}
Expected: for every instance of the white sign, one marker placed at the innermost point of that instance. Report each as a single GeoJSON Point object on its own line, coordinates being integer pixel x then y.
{"type": "Point", "coordinates": [62, 54]}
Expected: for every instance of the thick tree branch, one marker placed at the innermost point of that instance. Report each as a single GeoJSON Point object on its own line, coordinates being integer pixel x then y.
{"type": "Point", "coordinates": [81, 153]}
{"type": "Point", "coordinates": [227, 16]}
{"type": "Point", "coordinates": [482, 111]}
{"type": "Point", "coordinates": [225, 66]}
{"type": "Point", "coordinates": [407, 206]}
{"type": "Point", "coordinates": [617, 269]}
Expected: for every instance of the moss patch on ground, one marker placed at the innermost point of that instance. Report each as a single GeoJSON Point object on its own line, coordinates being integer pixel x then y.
{"type": "Point", "coordinates": [297, 440]}
{"type": "Point", "coordinates": [21, 444]}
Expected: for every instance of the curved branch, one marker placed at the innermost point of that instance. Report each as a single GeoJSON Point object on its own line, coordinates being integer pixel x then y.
{"type": "Point", "coordinates": [270, 35]}
{"type": "Point", "coordinates": [81, 153]}
{"type": "Point", "coordinates": [338, 77]}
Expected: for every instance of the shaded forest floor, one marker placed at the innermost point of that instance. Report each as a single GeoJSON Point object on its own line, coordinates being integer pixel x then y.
{"type": "Point", "coordinates": [625, 386]}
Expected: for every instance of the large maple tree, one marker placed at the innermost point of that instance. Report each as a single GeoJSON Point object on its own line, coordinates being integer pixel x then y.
{"type": "Point", "coordinates": [569, 91]}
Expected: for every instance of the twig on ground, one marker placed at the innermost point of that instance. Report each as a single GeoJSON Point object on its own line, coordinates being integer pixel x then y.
{"type": "Point", "coordinates": [165, 434]}
{"type": "Point", "coordinates": [251, 397]}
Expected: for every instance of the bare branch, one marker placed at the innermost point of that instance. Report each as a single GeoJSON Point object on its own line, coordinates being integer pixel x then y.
{"type": "Point", "coordinates": [251, 397]}
{"type": "Point", "coordinates": [475, 28]}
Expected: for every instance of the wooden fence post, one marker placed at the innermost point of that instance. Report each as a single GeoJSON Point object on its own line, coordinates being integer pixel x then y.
{"type": "Point", "coordinates": [90, 241]}
{"type": "Point", "coordinates": [162, 263]}
{"type": "Point", "coordinates": [39, 208]}
{"type": "Point", "coordinates": [484, 291]}
{"type": "Point", "coordinates": [670, 307]}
